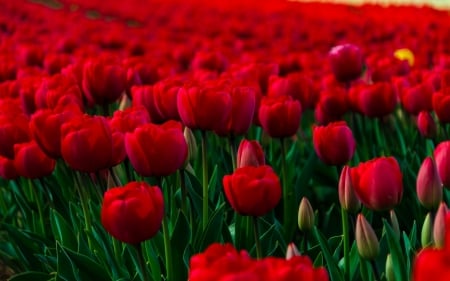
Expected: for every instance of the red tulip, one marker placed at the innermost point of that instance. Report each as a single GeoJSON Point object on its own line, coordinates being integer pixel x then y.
{"type": "Point", "coordinates": [378, 183]}
{"type": "Point", "coordinates": [346, 62]}
{"type": "Point", "coordinates": [45, 128]}
{"type": "Point", "coordinates": [426, 125]}
{"type": "Point", "coordinates": [156, 150]}
{"type": "Point", "coordinates": [55, 89]}
{"type": "Point", "coordinates": [13, 129]}
{"type": "Point", "coordinates": [31, 162]}
{"type": "Point", "coordinates": [88, 144]}
{"type": "Point", "coordinates": [7, 169]}
{"type": "Point", "coordinates": [376, 100]}
{"type": "Point", "coordinates": [280, 117]}
{"type": "Point", "coordinates": [133, 213]}
{"type": "Point", "coordinates": [429, 184]}
{"type": "Point", "coordinates": [332, 105]}
{"type": "Point", "coordinates": [441, 106]}
{"type": "Point", "coordinates": [103, 81]}
{"type": "Point", "coordinates": [297, 85]}
{"type": "Point", "coordinates": [243, 101]}
{"type": "Point", "coordinates": [129, 119]}
{"type": "Point", "coordinates": [334, 143]}
{"type": "Point", "coordinates": [204, 107]}
{"type": "Point", "coordinates": [417, 98]}
{"type": "Point", "coordinates": [442, 157]}
{"type": "Point", "coordinates": [250, 153]}
{"type": "Point", "coordinates": [252, 191]}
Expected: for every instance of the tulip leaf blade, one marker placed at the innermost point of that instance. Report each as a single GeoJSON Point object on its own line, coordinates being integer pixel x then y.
{"type": "Point", "coordinates": [212, 230]}
{"type": "Point", "coordinates": [399, 265]}
{"type": "Point", "coordinates": [335, 273]}
{"type": "Point", "coordinates": [62, 231]}
{"type": "Point", "coordinates": [180, 238]}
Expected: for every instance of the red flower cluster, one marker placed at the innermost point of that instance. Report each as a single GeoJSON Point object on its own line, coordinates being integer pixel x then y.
{"type": "Point", "coordinates": [224, 262]}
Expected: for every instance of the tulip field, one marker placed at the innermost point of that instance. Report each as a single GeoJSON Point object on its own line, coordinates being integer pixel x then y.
{"type": "Point", "coordinates": [223, 140]}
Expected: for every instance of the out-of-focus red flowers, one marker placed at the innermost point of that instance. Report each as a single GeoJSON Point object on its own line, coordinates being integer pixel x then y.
{"type": "Point", "coordinates": [374, 100]}
{"type": "Point", "coordinates": [133, 213]}
{"type": "Point", "coordinates": [88, 144]}
{"type": "Point", "coordinates": [442, 157]}
{"type": "Point", "coordinates": [426, 125]}
{"type": "Point", "coordinates": [378, 183]}
{"type": "Point", "coordinates": [252, 191]}
{"type": "Point", "coordinates": [280, 117]}
{"type": "Point", "coordinates": [334, 143]}
{"type": "Point", "coordinates": [224, 262]}
{"type": "Point", "coordinates": [346, 62]}
{"type": "Point", "coordinates": [13, 127]}
{"type": "Point", "coordinates": [432, 263]}
{"type": "Point", "coordinates": [156, 150]}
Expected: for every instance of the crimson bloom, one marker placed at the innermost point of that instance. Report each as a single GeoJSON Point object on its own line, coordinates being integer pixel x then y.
{"type": "Point", "coordinates": [334, 143]}
{"type": "Point", "coordinates": [31, 162]}
{"type": "Point", "coordinates": [88, 144]}
{"type": "Point", "coordinates": [156, 150]}
{"type": "Point", "coordinates": [133, 213]}
{"type": "Point", "coordinates": [378, 183]}
{"type": "Point", "coordinates": [426, 124]}
{"type": "Point", "coordinates": [13, 128]}
{"type": "Point", "coordinates": [442, 157]}
{"type": "Point", "coordinates": [280, 116]}
{"type": "Point", "coordinates": [252, 191]}
{"type": "Point", "coordinates": [346, 62]}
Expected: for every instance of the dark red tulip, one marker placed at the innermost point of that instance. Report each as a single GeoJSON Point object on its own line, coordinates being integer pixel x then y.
{"type": "Point", "coordinates": [54, 90]}
{"type": "Point", "coordinates": [31, 162]}
{"type": "Point", "coordinates": [129, 119]}
{"type": "Point", "coordinates": [426, 125]}
{"type": "Point", "coordinates": [204, 107]}
{"type": "Point", "coordinates": [346, 62]}
{"type": "Point", "coordinates": [417, 98]}
{"type": "Point", "coordinates": [378, 183]}
{"type": "Point", "coordinates": [441, 105]}
{"type": "Point", "coordinates": [13, 129]}
{"type": "Point", "coordinates": [332, 105]}
{"type": "Point", "coordinates": [280, 117]}
{"type": "Point", "coordinates": [7, 169]}
{"type": "Point", "coordinates": [252, 191]}
{"type": "Point", "coordinates": [334, 143]}
{"type": "Point", "coordinates": [133, 213]}
{"type": "Point", "coordinates": [376, 100]}
{"type": "Point", "coordinates": [156, 150]}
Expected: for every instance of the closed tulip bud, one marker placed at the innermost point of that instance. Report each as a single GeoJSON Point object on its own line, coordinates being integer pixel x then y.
{"type": "Point", "coordinates": [191, 144]}
{"type": "Point", "coordinates": [305, 215]}
{"type": "Point", "coordinates": [394, 223]}
{"type": "Point", "coordinates": [429, 185]}
{"type": "Point", "coordinates": [366, 239]}
{"type": "Point", "coordinates": [390, 275]}
{"type": "Point", "coordinates": [426, 237]}
{"type": "Point", "coordinates": [442, 158]}
{"type": "Point", "coordinates": [346, 62]}
{"type": "Point", "coordinates": [347, 197]}
{"type": "Point", "coordinates": [292, 251]}
{"type": "Point", "coordinates": [426, 124]}
{"type": "Point", "coordinates": [439, 225]}
{"type": "Point", "coordinates": [250, 153]}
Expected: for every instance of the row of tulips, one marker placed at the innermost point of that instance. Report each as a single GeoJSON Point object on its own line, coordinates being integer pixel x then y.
{"type": "Point", "coordinates": [102, 121]}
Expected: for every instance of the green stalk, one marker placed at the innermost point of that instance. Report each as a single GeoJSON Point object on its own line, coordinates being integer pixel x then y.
{"type": "Point", "coordinates": [141, 260]}
{"type": "Point", "coordinates": [205, 181]}
{"type": "Point", "coordinates": [345, 234]}
{"type": "Point", "coordinates": [232, 151]}
{"type": "Point", "coordinates": [38, 204]}
{"type": "Point", "coordinates": [287, 198]}
{"type": "Point", "coordinates": [167, 249]}
{"type": "Point", "coordinates": [256, 235]}
{"type": "Point", "coordinates": [84, 205]}
{"type": "Point", "coordinates": [183, 191]}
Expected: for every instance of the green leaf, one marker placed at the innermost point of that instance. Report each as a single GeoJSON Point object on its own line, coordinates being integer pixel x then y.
{"type": "Point", "coordinates": [213, 229]}
{"type": "Point", "coordinates": [31, 275]}
{"type": "Point", "coordinates": [398, 260]}
{"type": "Point", "coordinates": [179, 239]}
{"type": "Point", "coordinates": [335, 273]}
{"type": "Point", "coordinates": [364, 269]}
{"type": "Point", "coordinates": [62, 231]}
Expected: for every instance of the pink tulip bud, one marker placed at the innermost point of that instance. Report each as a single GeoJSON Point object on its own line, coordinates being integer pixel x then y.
{"type": "Point", "coordinates": [347, 196]}
{"type": "Point", "coordinates": [292, 251]}
{"type": "Point", "coordinates": [366, 239]}
{"type": "Point", "coordinates": [439, 225]}
{"type": "Point", "coordinates": [429, 185]}
{"type": "Point", "coordinates": [250, 153]}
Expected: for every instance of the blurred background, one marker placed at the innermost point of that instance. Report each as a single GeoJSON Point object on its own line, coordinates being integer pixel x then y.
{"type": "Point", "coordinates": [441, 4]}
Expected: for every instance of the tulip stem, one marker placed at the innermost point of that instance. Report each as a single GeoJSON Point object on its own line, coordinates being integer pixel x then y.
{"type": "Point", "coordinates": [142, 263]}
{"type": "Point", "coordinates": [375, 270]}
{"type": "Point", "coordinates": [84, 206]}
{"type": "Point", "coordinates": [167, 249]}
{"type": "Point", "coordinates": [114, 177]}
{"type": "Point", "coordinates": [256, 234]}
{"type": "Point", "coordinates": [205, 181]}
{"type": "Point", "coordinates": [286, 196]}
{"type": "Point", "coordinates": [232, 151]}
{"type": "Point", "coordinates": [345, 232]}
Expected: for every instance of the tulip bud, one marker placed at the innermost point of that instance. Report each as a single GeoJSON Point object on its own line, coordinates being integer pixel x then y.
{"type": "Point", "coordinates": [390, 275]}
{"type": "Point", "coordinates": [347, 197]}
{"type": "Point", "coordinates": [250, 153]}
{"type": "Point", "coordinates": [292, 251]}
{"type": "Point", "coordinates": [429, 185]}
{"type": "Point", "coordinates": [439, 226]}
{"type": "Point", "coordinates": [426, 125]}
{"type": "Point", "coordinates": [426, 237]}
{"type": "Point", "coordinates": [305, 215]}
{"type": "Point", "coordinates": [366, 239]}
{"type": "Point", "coordinates": [192, 145]}
{"type": "Point", "coordinates": [394, 223]}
